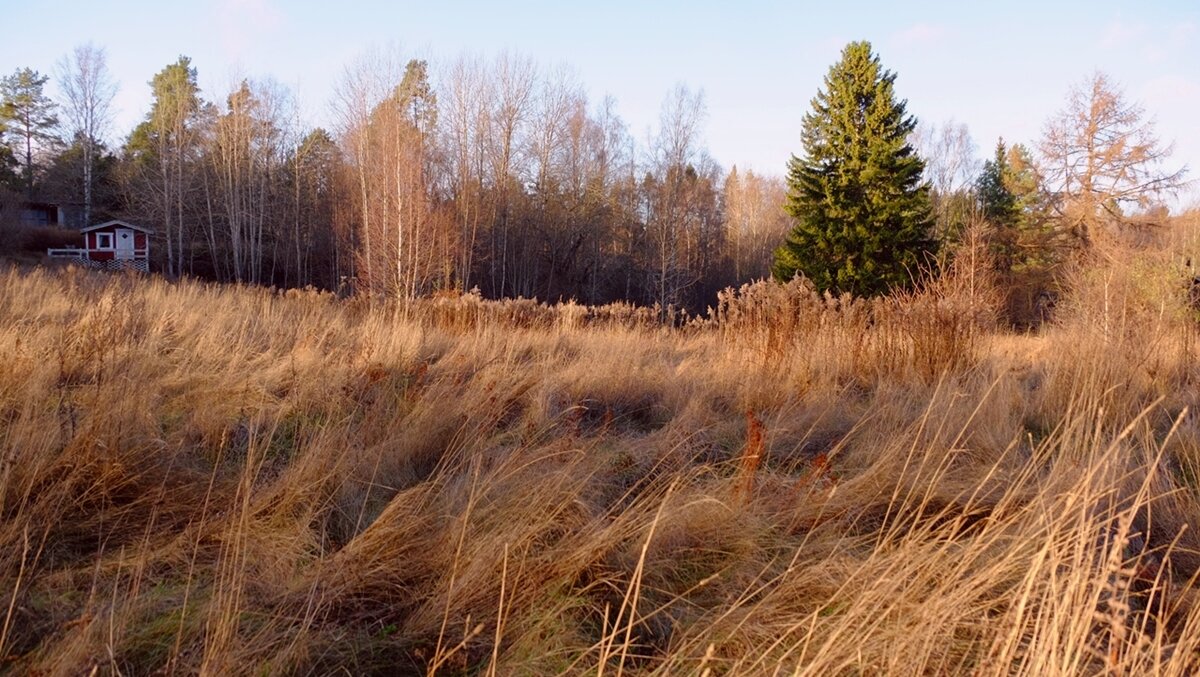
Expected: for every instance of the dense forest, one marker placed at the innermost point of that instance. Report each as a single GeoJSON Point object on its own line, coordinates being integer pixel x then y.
{"type": "Point", "coordinates": [502, 175]}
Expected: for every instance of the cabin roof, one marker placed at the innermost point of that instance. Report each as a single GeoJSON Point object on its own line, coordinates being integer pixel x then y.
{"type": "Point", "coordinates": [110, 224]}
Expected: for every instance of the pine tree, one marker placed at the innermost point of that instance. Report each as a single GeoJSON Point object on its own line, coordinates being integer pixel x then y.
{"type": "Point", "coordinates": [416, 99]}
{"type": "Point", "coordinates": [10, 179]}
{"type": "Point", "coordinates": [862, 213]}
{"type": "Point", "coordinates": [29, 116]}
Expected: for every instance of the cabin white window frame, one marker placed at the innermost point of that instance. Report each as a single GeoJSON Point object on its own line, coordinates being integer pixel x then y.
{"type": "Point", "coordinates": [101, 238]}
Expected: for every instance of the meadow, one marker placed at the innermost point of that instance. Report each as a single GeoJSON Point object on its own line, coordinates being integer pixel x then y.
{"type": "Point", "coordinates": [213, 479]}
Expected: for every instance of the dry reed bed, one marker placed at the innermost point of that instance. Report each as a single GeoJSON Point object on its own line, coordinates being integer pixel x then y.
{"type": "Point", "coordinates": [228, 480]}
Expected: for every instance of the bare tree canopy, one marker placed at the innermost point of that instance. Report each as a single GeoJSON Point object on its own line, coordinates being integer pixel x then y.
{"type": "Point", "coordinates": [500, 174]}
{"type": "Point", "coordinates": [949, 153]}
{"type": "Point", "coordinates": [87, 91]}
{"type": "Point", "coordinates": [1101, 157]}
{"type": "Point", "coordinates": [951, 167]}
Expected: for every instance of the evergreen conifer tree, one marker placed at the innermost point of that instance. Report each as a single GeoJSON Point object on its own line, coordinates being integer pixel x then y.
{"type": "Point", "coordinates": [996, 201]}
{"type": "Point", "coordinates": [1013, 201]}
{"type": "Point", "coordinates": [999, 206]}
{"type": "Point", "coordinates": [862, 212]}
{"type": "Point", "coordinates": [29, 115]}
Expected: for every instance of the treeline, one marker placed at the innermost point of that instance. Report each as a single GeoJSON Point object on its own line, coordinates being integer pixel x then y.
{"type": "Point", "coordinates": [498, 175]}
{"type": "Point", "coordinates": [504, 176]}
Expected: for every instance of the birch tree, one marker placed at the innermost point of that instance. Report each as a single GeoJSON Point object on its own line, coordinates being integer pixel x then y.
{"type": "Point", "coordinates": [249, 145]}
{"type": "Point", "coordinates": [464, 137]}
{"type": "Point", "coordinates": [389, 119]}
{"type": "Point", "coordinates": [88, 91]}
{"type": "Point", "coordinates": [755, 221]}
{"type": "Point", "coordinates": [676, 149]}
{"type": "Point", "coordinates": [360, 90]}
{"type": "Point", "coordinates": [513, 95]}
{"type": "Point", "coordinates": [163, 151]}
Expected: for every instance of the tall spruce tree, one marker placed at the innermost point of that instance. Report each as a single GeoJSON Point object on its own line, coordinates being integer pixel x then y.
{"type": "Point", "coordinates": [999, 206]}
{"type": "Point", "coordinates": [862, 213]}
{"type": "Point", "coordinates": [996, 201]}
{"type": "Point", "coordinates": [1012, 199]}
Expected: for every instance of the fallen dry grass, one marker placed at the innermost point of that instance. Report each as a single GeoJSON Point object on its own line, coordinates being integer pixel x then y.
{"type": "Point", "coordinates": [201, 479]}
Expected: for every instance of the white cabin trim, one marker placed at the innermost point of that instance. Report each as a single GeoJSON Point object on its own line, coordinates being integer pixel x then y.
{"type": "Point", "coordinates": [119, 224]}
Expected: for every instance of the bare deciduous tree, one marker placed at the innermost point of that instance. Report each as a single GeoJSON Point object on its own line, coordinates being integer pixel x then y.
{"type": "Point", "coordinates": [389, 119]}
{"type": "Point", "coordinates": [676, 150]}
{"type": "Point", "coordinates": [464, 138]}
{"type": "Point", "coordinates": [494, 175]}
{"type": "Point", "coordinates": [951, 166]}
{"type": "Point", "coordinates": [949, 153]}
{"type": "Point", "coordinates": [755, 221]}
{"type": "Point", "coordinates": [1101, 155]}
{"type": "Point", "coordinates": [88, 91]}
{"type": "Point", "coordinates": [248, 151]}
{"type": "Point", "coordinates": [363, 85]}
{"type": "Point", "coordinates": [514, 81]}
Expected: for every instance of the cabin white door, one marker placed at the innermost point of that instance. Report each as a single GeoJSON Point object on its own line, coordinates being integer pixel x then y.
{"type": "Point", "coordinates": [124, 244]}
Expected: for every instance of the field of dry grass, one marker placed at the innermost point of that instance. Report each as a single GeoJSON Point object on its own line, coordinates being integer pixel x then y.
{"type": "Point", "coordinates": [234, 481]}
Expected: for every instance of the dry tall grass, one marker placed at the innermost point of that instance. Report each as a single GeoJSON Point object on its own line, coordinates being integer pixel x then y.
{"type": "Point", "coordinates": [214, 480]}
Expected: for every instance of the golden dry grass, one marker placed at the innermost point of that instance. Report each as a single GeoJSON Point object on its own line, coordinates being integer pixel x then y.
{"type": "Point", "coordinates": [203, 479]}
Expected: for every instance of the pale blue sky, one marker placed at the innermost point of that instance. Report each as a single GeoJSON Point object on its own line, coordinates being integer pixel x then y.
{"type": "Point", "coordinates": [1001, 68]}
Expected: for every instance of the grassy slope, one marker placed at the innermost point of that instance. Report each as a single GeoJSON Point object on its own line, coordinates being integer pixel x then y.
{"type": "Point", "coordinates": [224, 480]}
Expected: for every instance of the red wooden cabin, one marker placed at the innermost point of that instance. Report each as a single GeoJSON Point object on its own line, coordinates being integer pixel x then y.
{"type": "Point", "coordinates": [112, 245]}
